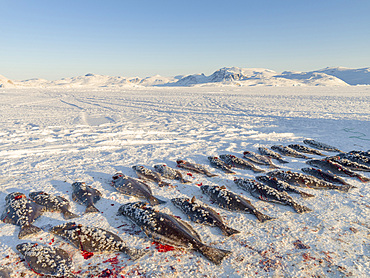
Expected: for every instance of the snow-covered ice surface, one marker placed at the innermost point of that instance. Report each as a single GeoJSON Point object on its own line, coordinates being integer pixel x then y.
{"type": "Point", "coordinates": [50, 138]}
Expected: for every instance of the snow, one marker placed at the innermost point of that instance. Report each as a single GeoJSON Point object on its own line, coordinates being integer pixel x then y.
{"type": "Point", "coordinates": [52, 137]}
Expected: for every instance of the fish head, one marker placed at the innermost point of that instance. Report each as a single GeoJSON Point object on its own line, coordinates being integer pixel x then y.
{"type": "Point", "coordinates": [179, 161]}
{"type": "Point", "coordinates": [60, 229]}
{"type": "Point", "coordinates": [159, 167]}
{"type": "Point", "coordinates": [35, 194]}
{"type": "Point", "coordinates": [117, 176]}
{"type": "Point", "coordinates": [78, 184]}
{"type": "Point", "coordinates": [223, 156]}
{"type": "Point", "coordinates": [206, 188]}
{"type": "Point", "coordinates": [179, 201]}
{"type": "Point", "coordinates": [262, 178]}
{"type": "Point", "coordinates": [129, 208]}
{"type": "Point", "coordinates": [24, 247]}
{"type": "Point", "coordinates": [14, 196]}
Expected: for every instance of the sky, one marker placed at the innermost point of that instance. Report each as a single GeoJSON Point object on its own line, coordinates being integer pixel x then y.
{"type": "Point", "coordinates": [57, 39]}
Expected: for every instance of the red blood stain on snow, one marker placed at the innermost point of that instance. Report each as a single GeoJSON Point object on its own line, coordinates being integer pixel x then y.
{"type": "Point", "coordinates": [189, 174]}
{"type": "Point", "coordinates": [112, 260]}
{"type": "Point", "coordinates": [163, 248]}
{"type": "Point", "coordinates": [199, 184]}
{"type": "Point", "coordinates": [87, 255]}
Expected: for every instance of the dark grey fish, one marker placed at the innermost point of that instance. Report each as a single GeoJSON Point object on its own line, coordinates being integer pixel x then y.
{"type": "Point", "coordinates": [336, 168]}
{"type": "Point", "coordinates": [325, 175]}
{"type": "Point", "coordinates": [147, 174]}
{"type": "Point", "coordinates": [22, 212]}
{"type": "Point", "coordinates": [194, 167]}
{"type": "Point", "coordinates": [202, 214]}
{"type": "Point", "coordinates": [46, 260]}
{"type": "Point", "coordinates": [282, 186]}
{"type": "Point", "coordinates": [259, 159]}
{"type": "Point", "coordinates": [169, 173]}
{"type": "Point", "coordinates": [237, 162]}
{"type": "Point", "coordinates": [86, 195]}
{"type": "Point", "coordinates": [321, 146]}
{"type": "Point", "coordinates": [363, 153]}
{"type": "Point", "coordinates": [271, 154]}
{"type": "Point", "coordinates": [218, 163]}
{"type": "Point", "coordinates": [355, 157]}
{"type": "Point", "coordinates": [5, 272]}
{"type": "Point", "coordinates": [231, 201]}
{"type": "Point", "coordinates": [268, 194]}
{"type": "Point", "coordinates": [288, 151]}
{"type": "Point", "coordinates": [304, 149]}
{"type": "Point", "coordinates": [355, 166]}
{"type": "Point", "coordinates": [133, 187]}
{"type": "Point", "coordinates": [303, 180]}
{"type": "Point", "coordinates": [53, 203]}
{"type": "Point", "coordinates": [92, 239]}
{"type": "Point", "coordinates": [166, 229]}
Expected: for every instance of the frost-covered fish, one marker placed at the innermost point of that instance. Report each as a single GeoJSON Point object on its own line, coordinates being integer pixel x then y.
{"type": "Point", "coordinates": [271, 154]}
{"type": "Point", "coordinates": [231, 201]}
{"type": "Point", "coordinates": [133, 187]}
{"type": "Point", "coordinates": [4, 272]}
{"type": "Point", "coordinates": [92, 239]}
{"type": "Point", "coordinates": [303, 180]}
{"type": "Point", "coordinates": [166, 229]}
{"type": "Point", "coordinates": [22, 212]}
{"type": "Point", "coordinates": [355, 166]}
{"type": "Point", "coordinates": [284, 150]}
{"type": "Point", "coordinates": [321, 146]}
{"type": "Point", "coordinates": [259, 159]}
{"type": "Point", "coordinates": [237, 162]}
{"type": "Point", "coordinates": [202, 214]}
{"type": "Point", "coordinates": [218, 163]}
{"type": "Point", "coordinates": [304, 149]}
{"type": "Point", "coordinates": [46, 260]}
{"type": "Point", "coordinates": [282, 186]}
{"type": "Point", "coordinates": [363, 153]}
{"type": "Point", "coordinates": [170, 173]}
{"type": "Point", "coordinates": [355, 157]}
{"type": "Point", "coordinates": [325, 175]}
{"type": "Point", "coordinates": [147, 174]}
{"type": "Point", "coordinates": [53, 203]}
{"type": "Point", "coordinates": [198, 168]}
{"type": "Point", "coordinates": [336, 168]}
{"type": "Point", "coordinates": [268, 194]}
{"type": "Point", "coordinates": [86, 195]}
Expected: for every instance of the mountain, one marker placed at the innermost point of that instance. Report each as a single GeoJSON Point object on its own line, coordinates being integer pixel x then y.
{"type": "Point", "coordinates": [5, 82]}
{"type": "Point", "coordinates": [313, 78]}
{"type": "Point", "coordinates": [348, 75]}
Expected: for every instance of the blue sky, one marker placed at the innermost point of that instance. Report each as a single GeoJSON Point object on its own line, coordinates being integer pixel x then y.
{"type": "Point", "coordinates": [55, 39]}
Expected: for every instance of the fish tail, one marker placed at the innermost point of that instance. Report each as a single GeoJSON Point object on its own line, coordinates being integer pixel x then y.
{"type": "Point", "coordinates": [215, 255]}
{"type": "Point", "coordinates": [262, 217]}
{"type": "Point", "coordinates": [28, 230]}
{"type": "Point", "coordinates": [133, 252]}
{"type": "Point", "coordinates": [345, 188]}
{"type": "Point", "coordinates": [306, 195]}
{"type": "Point", "coordinates": [227, 231]}
{"type": "Point", "coordinates": [210, 174]}
{"type": "Point", "coordinates": [155, 201]}
{"type": "Point", "coordinates": [69, 215]}
{"type": "Point", "coordinates": [362, 178]}
{"type": "Point", "coordinates": [258, 170]}
{"type": "Point", "coordinates": [282, 160]}
{"type": "Point", "coordinates": [185, 181]}
{"type": "Point", "coordinates": [300, 208]}
{"type": "Point", "coordinates": [91, 208]}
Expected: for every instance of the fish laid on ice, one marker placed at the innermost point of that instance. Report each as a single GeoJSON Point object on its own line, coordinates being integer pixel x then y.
{"type": "Point", "coordinates": [198, 168]}
{"type": "Point", "coordinates": [325, 175]}
{"type": "Point", "coordinates": [363, 153]}
{"type": "Point", "coordinates": [166, 229]}
{"type": "Point", "coordinates": [321, 146]}
{"type": "Point", "coordinates": [231, 201]}
{"type": "Point", "coordinates": [22, 212]}
{"type": "Point", "coordinates": [170, 173]}
{"type": "Point", "coordinates": [268, 194]}
{"type": "Point", "coordinates": [303, 180]}
{"type": "Point", "coordinates": [259, 159]}
{"type": "Point", "coordinates": [147, 174]}
{"type": "Point", "coordinates": [271, 154]}
{"type": "Point", "coordinates": [336, 168]}
{"type": "Point", "coordinates": [133, 187]}
{"type": "Point", "coordinates": [53, 203]}
{"type": "Point", "coordinates": [304, 149]}
{"type": "Point", "coordinates": [202, 214]}
{"type": "Point", "coordinates": [355, 166]}
{"type": "Point", "coordinates": [356, 157]}
{"type": "Point", "coordinates": [92, 239]}
{"type": "Point", "coordinates": [46, 260]}
{"type": "Point", "coordinates": [282, 186]}
{"type": "Point", "coordinates": [237, 162]}
{"type": "Point", "coordinates": [288, 151]}
{"type": "Point", "coordinates": [218, 163]}
{"type": "Point", "coordinates": [86, 195]}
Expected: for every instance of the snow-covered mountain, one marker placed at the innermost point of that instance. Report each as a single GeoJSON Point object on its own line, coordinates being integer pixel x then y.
{"type": "Point", "coordinates": [227, 76]}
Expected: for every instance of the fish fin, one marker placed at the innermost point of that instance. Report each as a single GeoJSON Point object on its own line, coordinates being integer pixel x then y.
{"type": "Point", "coordinates": [28, 230]}
{"type": "Point", "coordinates": [193, 200]}
{"type": "Point", "coordinates": [306, 195]}
{"type": "Point", "coordinates": [133, 252]}
{"type": "Point", "coordinates": [262, 217]}
{"type": "Point", "coordinates": [215, 255]}
{"type": "Point", "coordinates": [155, 201]}
{"type": "Point", "coordinates": [258, 170]}
{"type": "Point", "coordinates": [345, 188]}
{"type": "Point", "coordinates": [299, 208]}
{"type": "Point", "coordinates": [227, 231]}
{"type": "Point", "coordinates": [209, 174]}
{"type": "Point", "coordinates": [91, 208]}
{"type": "Point", "coordinates": [282, 160]}
{"type": "Point", "coordinates": [69, 215]}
